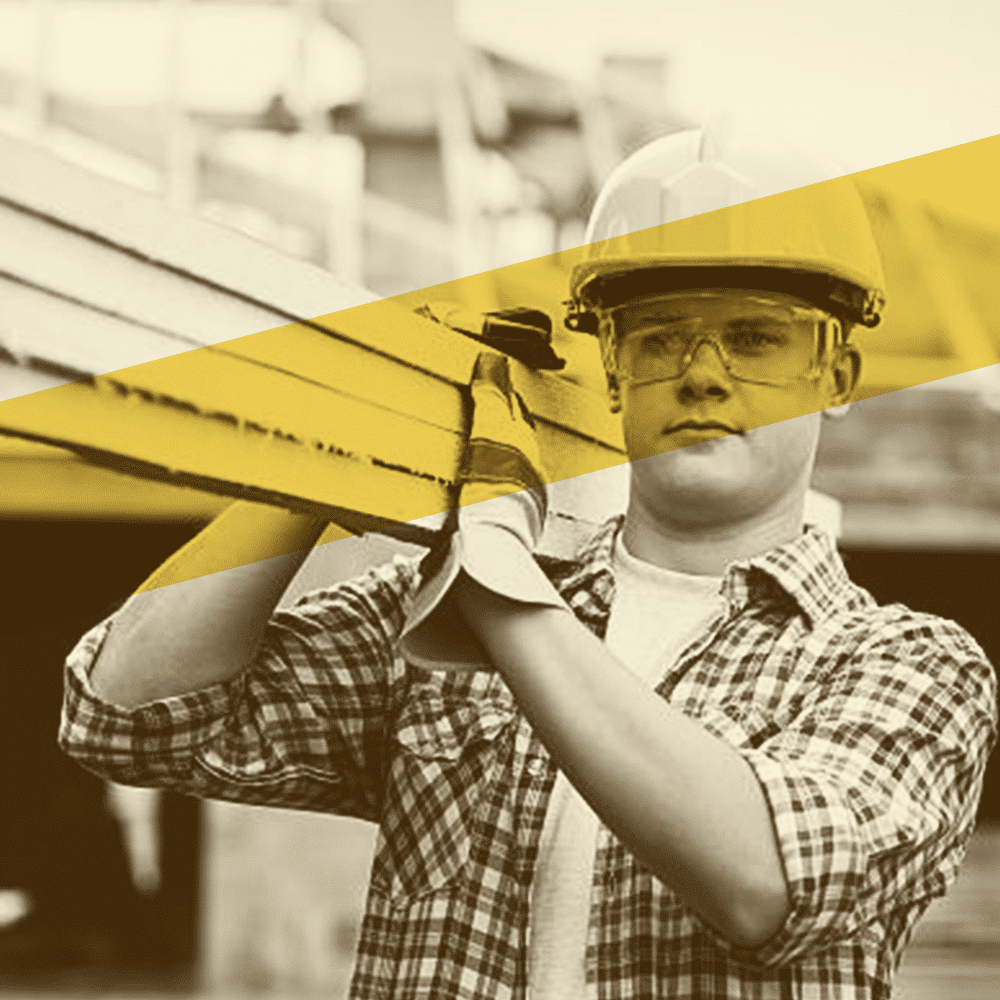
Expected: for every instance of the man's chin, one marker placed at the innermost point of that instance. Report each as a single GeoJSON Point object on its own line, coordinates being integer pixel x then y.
{"type": "Point", "coordinates": [720, 458]}
{"type": "Point", "coordinates": [707, 482]}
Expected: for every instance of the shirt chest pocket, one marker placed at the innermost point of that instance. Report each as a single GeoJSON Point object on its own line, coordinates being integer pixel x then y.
{"type": "Point", "coordinates": [444, 754]}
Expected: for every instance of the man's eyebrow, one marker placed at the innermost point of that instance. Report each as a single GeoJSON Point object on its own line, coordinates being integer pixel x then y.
{"type": "Point", "coordinates": [658, 316]}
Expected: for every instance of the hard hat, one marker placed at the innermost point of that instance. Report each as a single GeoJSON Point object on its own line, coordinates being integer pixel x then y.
{"type": "Point", "coordinates": [697, 210]}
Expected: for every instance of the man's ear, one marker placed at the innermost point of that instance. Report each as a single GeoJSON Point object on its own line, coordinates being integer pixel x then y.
{"type": "Point", "coordinates": [845, 371]}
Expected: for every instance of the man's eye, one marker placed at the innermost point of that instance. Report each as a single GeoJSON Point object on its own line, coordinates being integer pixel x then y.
{"type": "Point", "coordinates": [658, 343]}
{"type": "Point", "coordinates": [754, 337]}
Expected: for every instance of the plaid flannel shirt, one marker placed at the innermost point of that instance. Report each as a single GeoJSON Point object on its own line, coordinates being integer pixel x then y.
{"type": "Point", "coordinates": [868, 728]}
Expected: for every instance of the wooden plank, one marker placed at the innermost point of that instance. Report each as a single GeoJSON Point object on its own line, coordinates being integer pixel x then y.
{"type": "Point", "coordinates": [140, 225]}
{"type": "Point", "coordinates": [218, 423]}
{"type": "Point", "coordinates": [132, 319]}
{"type": "Point", "coordinates": [52, 484]}
{"type": "Point", "coordinates": [171, 444]}
{"type": "Point", "coordinates": [358, 413]}
{"type": "Point", "coordinates": [211, 382]}
{"type": "Point", "coordinates": [37, 326]}
{"type": "Point", "coordinates": [43, 326]}
{"type": "Point", "coordinates": [87, 270]}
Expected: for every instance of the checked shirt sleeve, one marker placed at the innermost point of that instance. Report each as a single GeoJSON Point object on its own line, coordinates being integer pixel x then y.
{"type": "Point", "coordinates": [873, 788]}
{"type": "Point", "coordinates": [300, 728]}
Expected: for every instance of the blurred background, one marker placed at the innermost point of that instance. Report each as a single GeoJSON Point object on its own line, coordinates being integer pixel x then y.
{"type": "Point", "coordinates": [402, 145]}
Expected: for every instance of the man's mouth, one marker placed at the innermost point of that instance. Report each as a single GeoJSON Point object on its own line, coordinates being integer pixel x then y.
{"type": "Point", "coordinates": [702, 425]}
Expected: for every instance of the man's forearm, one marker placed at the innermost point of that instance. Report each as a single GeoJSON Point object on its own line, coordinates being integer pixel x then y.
{"type": "Point", "coordinates": [200, 617]}
{"type": "Point", "coordinates": [684, 802]}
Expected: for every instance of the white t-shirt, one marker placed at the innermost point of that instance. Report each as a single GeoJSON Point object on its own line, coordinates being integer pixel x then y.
{"type": "Point", "coordinates": [656, 613]}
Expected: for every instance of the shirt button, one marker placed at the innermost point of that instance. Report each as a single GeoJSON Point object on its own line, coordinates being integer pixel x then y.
{"type": "Point", "coordinates": [535, 767]}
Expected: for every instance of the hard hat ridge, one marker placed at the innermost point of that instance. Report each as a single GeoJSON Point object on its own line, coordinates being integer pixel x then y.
{"type": "Point", "coordinates": [695, 209]}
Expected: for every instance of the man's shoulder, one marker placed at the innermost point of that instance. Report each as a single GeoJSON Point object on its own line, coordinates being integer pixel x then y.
{"type": "Point", "coordinates": [897, 626]}
{"type": "Point", "coordinates": [917, 649]}
{"type": "Point", "coordinates": [381, 592]}
{"type": "Point", "coordinates": [811, 572]}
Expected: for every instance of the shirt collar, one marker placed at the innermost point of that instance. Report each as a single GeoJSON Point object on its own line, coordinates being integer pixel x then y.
{"type": "Point", "coordinates": [587, 581]}
{"type": "Point", "coordinates": [807, 569]}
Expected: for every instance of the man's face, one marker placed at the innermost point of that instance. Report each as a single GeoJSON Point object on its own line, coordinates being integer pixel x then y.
{"type": "Point", "coordinates": [708, 446]}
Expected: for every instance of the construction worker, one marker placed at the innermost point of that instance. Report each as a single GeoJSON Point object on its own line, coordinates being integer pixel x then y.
{"type": "Point", "coordinates": [693, 761]}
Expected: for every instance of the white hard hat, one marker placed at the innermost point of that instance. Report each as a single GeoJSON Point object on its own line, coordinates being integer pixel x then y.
{"type": "Point", "coordinates": [693, 210]}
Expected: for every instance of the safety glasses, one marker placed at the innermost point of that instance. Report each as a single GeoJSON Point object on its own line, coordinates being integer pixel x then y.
{"type": "Point", "coordinates": [764, 340]}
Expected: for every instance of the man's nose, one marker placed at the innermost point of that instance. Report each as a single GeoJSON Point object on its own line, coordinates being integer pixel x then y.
{"type": "Point", "coordinates": [706, 375]}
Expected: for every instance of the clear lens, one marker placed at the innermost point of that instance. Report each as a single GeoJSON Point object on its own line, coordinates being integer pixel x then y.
{"type": "Point", "coordinates": [759, 339]}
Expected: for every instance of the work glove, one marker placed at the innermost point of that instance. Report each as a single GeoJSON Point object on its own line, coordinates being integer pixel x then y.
{"type": "Point", "coordinates": [521, 332]}
{"type": "Point", "coordinates": [497, 525]}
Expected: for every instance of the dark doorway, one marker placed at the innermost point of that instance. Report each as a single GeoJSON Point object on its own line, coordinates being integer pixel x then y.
{"type": "Point", "coordinates": [60, 845]}
{"type": "Point", "coordinates": [963, 586]}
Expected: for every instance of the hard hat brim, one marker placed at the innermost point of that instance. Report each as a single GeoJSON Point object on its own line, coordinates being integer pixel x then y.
{"type": "Point", "coordinates": [608, 282]}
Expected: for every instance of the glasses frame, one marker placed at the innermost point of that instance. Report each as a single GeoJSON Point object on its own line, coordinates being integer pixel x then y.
{"type": "Point", "coordinates": [827, 334]}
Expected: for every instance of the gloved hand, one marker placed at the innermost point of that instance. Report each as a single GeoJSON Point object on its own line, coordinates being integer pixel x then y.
{"type": "Point", "coordinates": [498, 522]}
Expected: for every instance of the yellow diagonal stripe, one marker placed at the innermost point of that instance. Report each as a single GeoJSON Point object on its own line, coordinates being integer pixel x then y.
{"type": "Point", "coordinates": [367, 425]}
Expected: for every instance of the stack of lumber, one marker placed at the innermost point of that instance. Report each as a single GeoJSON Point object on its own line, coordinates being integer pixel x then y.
{"type": "Point", "coordinates": [159, 344]}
